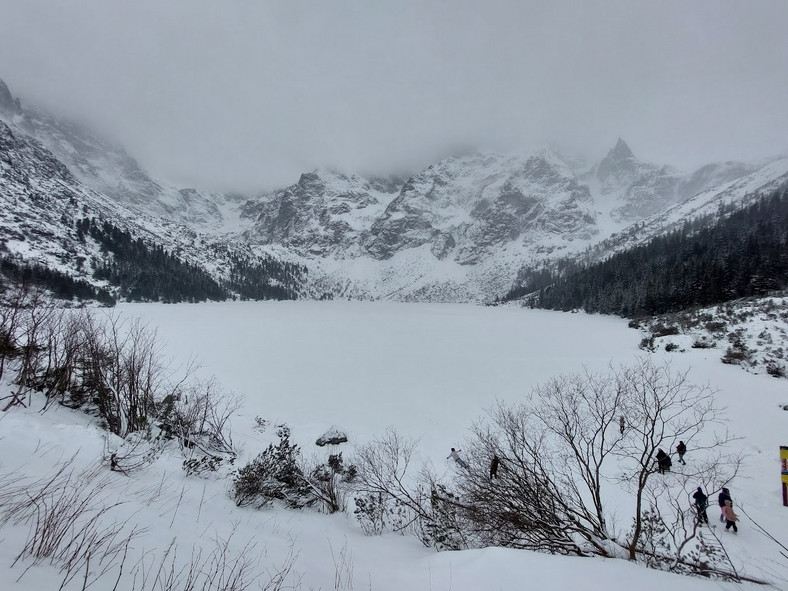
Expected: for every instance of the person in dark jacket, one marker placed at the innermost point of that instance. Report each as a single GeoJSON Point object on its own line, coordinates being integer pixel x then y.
{"type": "Point", "coordinates": [663, 462]}
{"type": "Point", "coordinates": [681, 449]}
{"type": "Point", "coordinates": [725, 495]}
{"type": "Point", "coordinates": [701, 502]}
{"type": "Point", "coordinates": [494, 467]}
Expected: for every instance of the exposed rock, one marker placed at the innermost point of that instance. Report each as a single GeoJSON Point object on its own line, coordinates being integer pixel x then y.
{"type": "Point", "coordinates": [7, 102]}
{"type": "Point", "coordinates": [334, 436]}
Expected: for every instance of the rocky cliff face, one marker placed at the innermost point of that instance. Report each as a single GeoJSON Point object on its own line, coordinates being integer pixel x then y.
{"type": "Point", "coordinates": [632, 188]}
{"type": "Point", "coordinates": [460, 228]}
{"type": "Point", "coordinates": [464, 208]}
{"type": "Point", "coordinates": [324, 213]}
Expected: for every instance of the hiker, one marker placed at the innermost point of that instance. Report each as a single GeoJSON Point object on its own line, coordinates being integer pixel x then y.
{"type": "Point", "coordinates": [681, 449]}
{"type": "Point", "coordinates": [725, 495]}
{"type": "Point", "coordinates": [494, 467]}
{"type": "Point", "coordinates": [663, 462]}
{"type": "Point", "coordinates": [621, 424]}
{"type": "Point", "coordinates": [455, 455]}
{"type": "Point", "coordinates": [701, 502]}
{"type": "Point", "coordinates": [730, 517]}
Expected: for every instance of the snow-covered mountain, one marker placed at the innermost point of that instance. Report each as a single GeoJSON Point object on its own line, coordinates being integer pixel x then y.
{"type": "Point", "coordinates": [325, 213]}
{"type": "Point", "coordinates": [459, 230]}
{"type": "Point", "coordinates": [108, 169]}
{"type": "Point", "coordinates": [42, 205]}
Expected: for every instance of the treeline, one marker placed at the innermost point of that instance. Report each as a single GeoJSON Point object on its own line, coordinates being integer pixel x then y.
{"type": "Point", "coordinates": [60, 285]}
{"type": "Point", "coordinates": [266, 280]}
{"type": "Point", "coordinates": [745, 253]}
{"type": "Point", "coordinates": [145, 272]}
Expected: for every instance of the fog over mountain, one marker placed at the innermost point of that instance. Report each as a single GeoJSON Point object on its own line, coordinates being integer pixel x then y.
{"type": "Point", "coordinates": [246, 96]}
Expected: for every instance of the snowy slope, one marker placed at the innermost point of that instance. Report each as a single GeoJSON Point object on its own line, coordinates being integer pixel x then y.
{"type": "Point", "coordinates": [429, 371]}
{"type": "Point", "coordinates": [41, 202]}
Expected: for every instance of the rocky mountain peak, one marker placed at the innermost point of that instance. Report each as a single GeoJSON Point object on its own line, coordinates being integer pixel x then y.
{"type": "Point", "coordinates": [620, 152]}
{"type": "Point", "coordinates": [619, 168]}
{"type": "Point", "coordinates": [8, 103]}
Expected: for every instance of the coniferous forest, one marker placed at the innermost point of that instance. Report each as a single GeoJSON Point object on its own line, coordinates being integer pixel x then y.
{"type": "Point", "coordinates": [59, 284]}
{"type": "Point", "coordinates": [743, 253]}
{"type": "Point", "coordinates": [143, 272]}
{"type": "Point", "coordinates": [149, 273]}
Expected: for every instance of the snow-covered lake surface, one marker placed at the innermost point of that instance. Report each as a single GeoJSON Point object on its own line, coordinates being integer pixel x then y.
{"type": "Point", "coordinates": [428, 371]}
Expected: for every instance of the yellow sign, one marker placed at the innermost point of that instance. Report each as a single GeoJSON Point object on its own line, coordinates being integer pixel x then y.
{"type": "Point", "coordinates": [784, 462]}
{"type": "Point", "coordinates": [784, 469]}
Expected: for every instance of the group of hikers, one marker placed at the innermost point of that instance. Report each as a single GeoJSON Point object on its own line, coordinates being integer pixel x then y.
{"type": "Point", "coordinates": [663, 460]}
{"type": "Point", "coordinates": [727, 515]}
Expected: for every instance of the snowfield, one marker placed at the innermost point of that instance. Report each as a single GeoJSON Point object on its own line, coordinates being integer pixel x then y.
{"type": "Point", "coordinates": [428, 370]}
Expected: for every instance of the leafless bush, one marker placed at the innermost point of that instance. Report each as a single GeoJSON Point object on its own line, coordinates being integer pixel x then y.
{"type": "Point", "coordinates": [343, 568]}
{"type": "Point", "coordinates": [662, 408]}
{"type": "Point", "coordinates": [554, 454]}
{"type": "Point", "coordinates": [387, 495]}
{"type": "Point", "coordinates": [24, 316]}
{"type": "Point", "coordinates": [137, 450]}
{"type": "Point", "coordinates": [68, 525]}
{"type": "Point", "coordinates": [64, 342]}
{"type": "Point", "coordinates": [525, 506]}
{"type": "Point", "coordinates": [329, 481]}
{"type": "Point", "coordinates": [280, 575]}
{"type": "Point", "coordinates": [672, 536]}
{"type": "Point", "coordinates": [198, 415]}
{"type": "Point", "coordinates": [221, 570]}
{"type": "Point", "coordinates": [123, 371]}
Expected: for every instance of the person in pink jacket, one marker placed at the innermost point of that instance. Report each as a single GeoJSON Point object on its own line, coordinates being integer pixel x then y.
{"type": "Point", "coordinates": [730, 517]}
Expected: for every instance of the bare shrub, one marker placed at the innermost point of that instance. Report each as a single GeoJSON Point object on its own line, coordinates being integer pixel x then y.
{"type": "Point", "coordinates": [525, 506]}
{"type": "Point", "coordinates": [198, 415]}
{"type": "Point", "coordinates": [387, 494]}
{"type": "Point", "coordinates": [123, 371]}
{"type": "Point", "coordinates": [663, 407]}
{"type": "Point", "coordinates": [672, 537]}
{"type": "Point", "coordinates": [25, 314]}
{"type": "Point", "coordinates": [329, 481]}
{"type": "Point", "coordinates": [343, 568]}
{"type": "Point", "coordinates": [555, 451]}
{"type": "Point", "coordinates": [69, 526]}
{"type": "Point", "coordinates": [221, 570]}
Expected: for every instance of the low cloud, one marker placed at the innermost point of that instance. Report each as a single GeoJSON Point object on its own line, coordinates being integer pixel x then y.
{"type": "Point", "coordinates": [246, 95]}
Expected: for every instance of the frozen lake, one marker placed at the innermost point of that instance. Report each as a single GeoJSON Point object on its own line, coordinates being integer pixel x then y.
{"type": "Point", "coordinates": [426, 369]}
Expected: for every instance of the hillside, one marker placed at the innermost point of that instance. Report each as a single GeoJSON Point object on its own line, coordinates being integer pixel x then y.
{"type": "Point", "coordinates": [185, 518]}
{"type": "Point", "coordinates": [734, 253]}
{"type": "Point", "coordinates": [49, 219]}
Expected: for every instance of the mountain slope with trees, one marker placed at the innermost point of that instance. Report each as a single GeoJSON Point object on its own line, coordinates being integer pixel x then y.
{"type": "Point", "coordinates": [58, 234]}
{"type": "Point", "coordinates": [736, 253]}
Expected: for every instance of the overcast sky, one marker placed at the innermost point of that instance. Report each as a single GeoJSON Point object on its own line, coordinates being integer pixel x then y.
{"type": "Point", "coordinates": [247, 94]}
